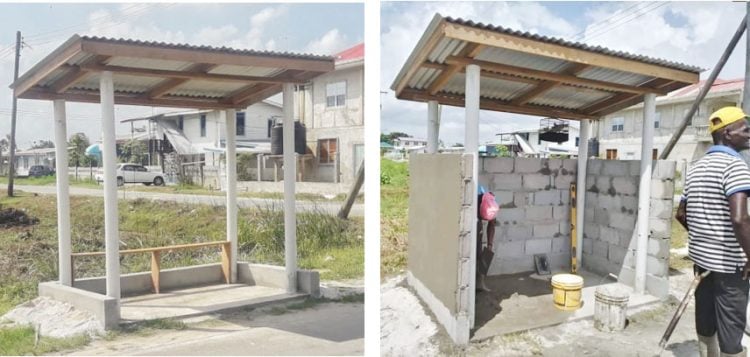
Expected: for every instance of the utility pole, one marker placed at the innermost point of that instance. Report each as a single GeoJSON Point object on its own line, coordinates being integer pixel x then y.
{"type": "Point", "coordinates": [746, 89]}
{"type": "Point", "coordinates": [12, 156]}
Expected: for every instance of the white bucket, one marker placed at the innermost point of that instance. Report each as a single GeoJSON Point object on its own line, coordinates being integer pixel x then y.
{"type": "Point", "coordinates": [609, 308]}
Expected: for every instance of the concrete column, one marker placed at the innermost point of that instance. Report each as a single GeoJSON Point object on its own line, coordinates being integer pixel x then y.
{"type": "Point", "coordinates": [109, 158]}
{"type": "Point", "coordinates": [63, 198]}
{"type": "Point", "coordinates": [258, 159]}
{"type": "Point", "coordinates": [583, 154]}
{"type": "Point", "coordinates": [231, 133]}
{"type": "Point", "coordinates": [290, 174]}
{"type": "Point", "coordinates": [644, 192]}
{"type": "Point", "coordinates": [433, 127]}
{"type": "Point", "coordinates": [471, 146]}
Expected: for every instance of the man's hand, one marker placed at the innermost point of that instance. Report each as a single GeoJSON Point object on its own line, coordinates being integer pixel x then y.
{"type": "Point", "coordinates": [746, 271]}
{"type": "Point", "coordinates": [493, 249]}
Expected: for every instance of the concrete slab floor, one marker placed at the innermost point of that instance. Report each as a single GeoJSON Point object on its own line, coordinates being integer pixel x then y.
{"type": "Point", "coordinates": [523, 301]}
{"type": "Point", "coordinates": [199, 300]}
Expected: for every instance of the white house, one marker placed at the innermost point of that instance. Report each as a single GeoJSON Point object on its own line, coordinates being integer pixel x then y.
{"type": "Point", "coordinates": [332, 109]}
{"type": "Point", "coordinates": [409, 144]}
{"type": "Point", "coordinates": [532, 143]}
{"type": "Point", "coordinates": [27, 158]}
{"type": "Point", "coordinates": [619, 134]}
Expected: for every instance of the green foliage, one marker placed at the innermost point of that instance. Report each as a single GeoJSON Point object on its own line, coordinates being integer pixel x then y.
{"type": "Point", "coordinates": [77, 145]}
{"type": "Point", "coordinates": [244, 164]}
{"type": "Point", "coordinates": [18, 341]}
{"type": "Point", "coordinates": [388, 138]}
{"type": "Point", "coordinates": [394, 216]}
{"type": "Point", "coordinates": [42, 144]}
{"type": "Point", "coordinates": [385, 179]}
{"type": "Point", "coordinates": [502, 151]}
{"type": "Point", "coordinates": [134, 151]}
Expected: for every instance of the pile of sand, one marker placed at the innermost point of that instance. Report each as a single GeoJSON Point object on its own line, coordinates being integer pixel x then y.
{"type": "Point", "coordinates": [53, 318]}
{"type": "Point", "coordinates": [405, 328]}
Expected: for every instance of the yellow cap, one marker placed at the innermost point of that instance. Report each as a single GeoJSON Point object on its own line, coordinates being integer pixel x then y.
{"type": "Point", "coordinates": [725, 116]}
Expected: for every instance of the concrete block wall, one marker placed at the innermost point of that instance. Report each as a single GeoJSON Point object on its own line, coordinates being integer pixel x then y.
{"type": "Point", "coordinates": [609, 236]}
{"type": "Point", "coordinates": [534, 199]}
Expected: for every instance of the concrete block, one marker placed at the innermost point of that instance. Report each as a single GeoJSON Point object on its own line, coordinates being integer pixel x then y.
{"type": "Point", "coordinates": [657, 286]}
{"type": "Point", "coordinates": [559, 262]}
{"type": "Point", "coordinates": [547, 198]}
{"type": "Point", "coordinates": [504, 198]}
{"type": "Point", "coordinates": [262, 274]}
{"type": "Point", "coordinates": [630, 202]}
{"type": "Point", "coordinates": [628, 239]}
{"type": "Point", "coordinates": [588, 246]}
{"type": "Point", "coordinates": [662, 189]}
{"type": "Point", "coordinates": [537, 246]}
{"type": "Point", "coordinates": [562, 213]}
{"type": "Point", "coordinates": [511, 249]}
{"type": "Point", "coordinates": [614, 168]}
{"type": "Point", "coordinates": [554, 165]}
{"type": "Point", "coordinates": [536, 182]}
{"type": "Point", "coordinates": [565, 227]}
{"type": "Point", "coordinates": [546, 230]}
{"type": "Point", "coordinates": [511, 215]}
{"type": "Point", "coordinates": [592, 200]}
{"type": "Point", "coordinates": [569, 167]}
{"type": "Point", "coordinates": [308, 282]}
{"type": "Point", "coordinates": [664, 170]}
{"type": "Point", "coordinates": [466, 220]}
{"type": "Point", "coordinates": [660, 228]}
{"type": "Point", "coordinates": [657, 267]}
{"type": "Point", "coordinates": [618, 255]}
{"type": "Point", "coordinates": [609, 235]}
{"type": "Point", "coordinates": [604, 184]}
{"type": "Point", "coordinates": [560, 245]}
{"type": "Point", "coordinates": [625, 185]}
{"type": "Point", "coordinates": [565, 197]}
{"type": "Point", "coordinates": [498, 165]}
{"type": "Point", "coordinates": [661, 208]}
{"type": "Point", "coordinates": [601, 249]}
{"type": "Point", "coordinates": [611, 203]}
{"type": "Point", "coordinates": [486, 181]}
{"type": "Point", "coordinates": [522, 199]}
{"type": "Point", "coordinates": [593, 167]}
{"type": "Point", "coordinates": [512, 265]}
{"type": "Point", "coordinates": [467, 166]}
{"type": "Point", "coordinates": [527, 165]}
{"type": "Point", "coordinates": [635, 167]}
{"type": "Point", "coordinates": [601, 216]}
{"type": "Point", "coordinates": [508, 182]}
{"type": "Point", "coordinates": [591, 184]}
{"type": "Point", "coordinates": [596, 264]}
{"type": "Point", "coordinates": [622, 221]}
{"type": "Point", "coordinates": [658, 248]}
{"type": "Point", "coordinates": [539, 213]}
{"type": "Point", "coordinates": [104, 308]}
{"type": "Point", "coordinates": [592, 231]}
{"type": "Point", "coordinates": [519, 232]}
{"type": "Point", "coordinates": [588, 215]}
{"type": "Point", "coordinates": [563, 181]}
{"type": "Point", "coordinates": [627, 276]}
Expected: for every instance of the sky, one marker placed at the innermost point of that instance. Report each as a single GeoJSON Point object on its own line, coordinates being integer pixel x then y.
{"type": "Point", "coordinates": [322, 29]}
{"type": "Point", "coordinates": [694, 33]}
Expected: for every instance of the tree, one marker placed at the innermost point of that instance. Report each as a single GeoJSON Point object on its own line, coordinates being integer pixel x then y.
{"type": "Point", "coordinates": [134, 151]}
{"type": "Point", "coordinates": [77, 145]}
{"type": "Point", "coordinates": [388, 138]}
{"type": "Point", "coordinates": [43, 144]}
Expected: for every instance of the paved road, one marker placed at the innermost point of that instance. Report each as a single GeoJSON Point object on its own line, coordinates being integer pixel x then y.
{"type": "Point", "coordinates": [325, 329]}
{"type": "Point", "coordinates": [331, 207]}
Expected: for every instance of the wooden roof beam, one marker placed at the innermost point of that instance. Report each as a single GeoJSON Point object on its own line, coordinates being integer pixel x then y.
{"type": "Point", "coordinates": [526, 45]}
{"type": "Point", "coordinates": [618, 99]}
{"type": "Point", "coordinates": [484, 73]}
{"type": "Point", "coordinates": [562, 78]}
{"type": "Point", "coordinates": [58, 57]}
{"type": "Point", "coordinates": [471, 50]}
{"type": "Point", "coordinates": [121, 99]}
{"type": "Point", "coordinates": [545, 86]}
{"type": "Point", "coordinates": [167, 85]}
{"type": "Point", "coordinates": [75, 75]}
{"type": "Point", "coordinates": [188, 75]}
{"type": "Point", "coordinates": [494, 105]}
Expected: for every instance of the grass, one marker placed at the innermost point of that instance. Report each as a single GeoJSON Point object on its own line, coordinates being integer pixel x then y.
{"type": "Point", "coordinates": [394, 216]}
{"type": "Point", "coordinates": [678, 239]}
{"type": "Point", "coordinates": [28, 255]}
{"type": "Point", "coordinates": [18, 341]}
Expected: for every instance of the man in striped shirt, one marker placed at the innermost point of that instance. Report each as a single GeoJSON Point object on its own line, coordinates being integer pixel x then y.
{"type": "Point", "coordinates": [714, 211]}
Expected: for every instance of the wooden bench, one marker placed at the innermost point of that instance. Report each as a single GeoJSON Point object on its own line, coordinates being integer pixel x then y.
{"type": "Point", "coordinates": [156, 259]}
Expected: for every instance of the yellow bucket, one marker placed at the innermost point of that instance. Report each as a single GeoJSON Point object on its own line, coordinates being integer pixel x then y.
{"type": "Point", "coordinates": [566, 291]}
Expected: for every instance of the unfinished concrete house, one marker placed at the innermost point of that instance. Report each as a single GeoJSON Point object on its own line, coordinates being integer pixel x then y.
{"type": "Point", "coordinates": [621, 221]}
{"type": "Point", "coordinates": [117, 71]}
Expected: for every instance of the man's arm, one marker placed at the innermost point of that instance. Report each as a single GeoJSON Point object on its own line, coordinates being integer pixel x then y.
{"type": "Point", "coordinates": [681, 215]}
{"type": "Point", "coordinates": [741, 223]}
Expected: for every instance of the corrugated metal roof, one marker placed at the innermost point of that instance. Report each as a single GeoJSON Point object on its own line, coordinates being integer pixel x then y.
{"type": "Point", "coordinates": [578, 45]}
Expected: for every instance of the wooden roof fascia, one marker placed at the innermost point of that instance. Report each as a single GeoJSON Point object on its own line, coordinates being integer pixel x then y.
{"type": "Point", "coordinates": [57, 58]}
{"type": "Point", "coordinates": [269, 90]}
{"type": "Point", "coordinates": [471, 50]}
{"type": "Point", "coordinates": [573, 69]}
{"type": "Point", "coordinates": [93, 97]}
{"type": "Point", "coordinates": [617, 99]}
{"type": "Point", "coordinates": [254, 93]}
{"type": "Point", "coordinates": [526, 45]}
{"type": "Point", "coordinates": [75, 75]}
{"type": "Point", "coordinates": [633, 101]}
{"type": "Point", "coordinates": [493, 105]}
{"type": "Point", "coordinates": [202, 56]}
{"type": "Point", "coordinates": [421, 56]}
{"type": "Point", "coordinates": [563, 78]}
{"type": "Point", "coordinates": [169, 84]}
{"type": "Point", "coordinates": [146, 72]}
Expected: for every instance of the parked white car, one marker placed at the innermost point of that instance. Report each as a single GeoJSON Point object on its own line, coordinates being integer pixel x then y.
{"type": "Point", "coordinates": [132, 173]}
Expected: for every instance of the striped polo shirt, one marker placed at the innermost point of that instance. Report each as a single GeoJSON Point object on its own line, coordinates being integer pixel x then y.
{"type": "Point", "coordinates": [710, 181]}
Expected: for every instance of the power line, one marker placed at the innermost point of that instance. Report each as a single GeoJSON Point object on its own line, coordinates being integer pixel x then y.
{"type": "Point", "coordinates": [637, 15]}
{"type": "Point", "coordinates": [582, 34]}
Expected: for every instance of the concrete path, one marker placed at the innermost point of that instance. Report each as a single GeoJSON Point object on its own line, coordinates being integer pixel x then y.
{"type": "Point", "coordinates": [324, 329]}
{"type": "Point", "coordinates": [244, 202]}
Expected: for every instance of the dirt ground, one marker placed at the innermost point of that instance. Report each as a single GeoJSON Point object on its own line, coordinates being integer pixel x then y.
{"type": "Point", "coordinates": [640, 338]}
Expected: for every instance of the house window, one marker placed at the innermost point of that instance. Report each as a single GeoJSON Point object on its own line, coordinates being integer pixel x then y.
{"type": "Point", "coordinates": [618, 124]}
{"type": "Point", "coordinates": [336, 94]}
{"type": "Point", "coordinates": [203, 125]}
{"type": "Point", "coordinates": [270, 124]}
{"type": "Point", "coordinates": [180, 122]}
{"type": "Point", "coordinates": [611, 154]}
{"type": "Point", "coordinates": [657, 120]}
{"type": "Point", "coordinates": [577, 141]}
{"type": "Point", "coordinates": [240, 124]}
{"type": "Point", "coordinates": [654, 154]}
{"type": "Point", "coordinates": [327, 150]}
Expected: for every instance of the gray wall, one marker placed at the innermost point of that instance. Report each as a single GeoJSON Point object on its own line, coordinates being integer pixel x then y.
{"type": "Point", "coordinates": [534, 217]}
{"type": "Point", "coordinates": [609, 239]}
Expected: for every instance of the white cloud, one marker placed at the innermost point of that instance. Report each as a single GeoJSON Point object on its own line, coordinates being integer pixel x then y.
{"type": "Point", "coordinates": [258, 22]}
{"type": "Point", "coordinates": [330, 43]}
{"type": "Point", "coordinates": [215, 36]}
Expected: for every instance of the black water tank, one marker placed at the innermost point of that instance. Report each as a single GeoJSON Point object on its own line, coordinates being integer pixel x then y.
{"type": "Point", "coordinates": [277, 139]}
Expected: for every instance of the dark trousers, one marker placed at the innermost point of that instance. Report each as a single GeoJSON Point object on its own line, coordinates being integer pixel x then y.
{"type": "Point", "coordinates": [721, 307]}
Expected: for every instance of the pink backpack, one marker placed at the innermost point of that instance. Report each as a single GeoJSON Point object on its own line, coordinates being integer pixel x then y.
{"type": "Point", "coordinates": [488, 207]}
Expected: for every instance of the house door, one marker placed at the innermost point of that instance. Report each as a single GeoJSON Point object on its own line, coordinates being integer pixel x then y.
{"type": "Point", "coordinates": [358, 156]}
